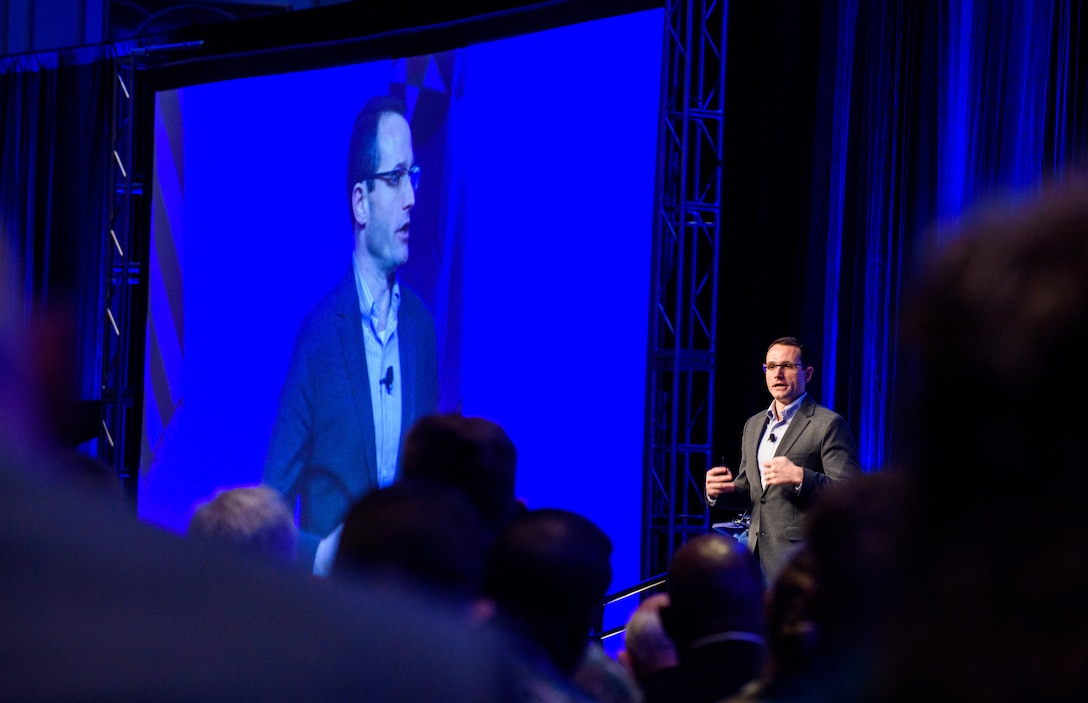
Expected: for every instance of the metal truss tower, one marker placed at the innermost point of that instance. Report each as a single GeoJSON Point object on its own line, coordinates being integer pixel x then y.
{"type": "Point", "coordinates": [123, 277]}
{"type": "Point", "coordinates": [683, 324]}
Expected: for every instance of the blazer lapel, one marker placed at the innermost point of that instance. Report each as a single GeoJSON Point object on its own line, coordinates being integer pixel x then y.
{"type": "Point", "coordinates": [406, 347]}
{"type": "Point", "coordinates": [351, 342]}
{"type": "Point", "coordinates": [800, 421]}
{"type": "Point", "coordinates": [754, 480]}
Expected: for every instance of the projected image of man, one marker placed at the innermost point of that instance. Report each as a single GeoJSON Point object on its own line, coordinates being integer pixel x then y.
{"type": "Point", "coordinates": [364, 366]}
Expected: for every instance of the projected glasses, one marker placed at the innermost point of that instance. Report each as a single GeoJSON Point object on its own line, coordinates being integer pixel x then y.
{"type": "Point", "coordinates": [784, 365]}
{"type": "Point", "coordinates": [394, 178]}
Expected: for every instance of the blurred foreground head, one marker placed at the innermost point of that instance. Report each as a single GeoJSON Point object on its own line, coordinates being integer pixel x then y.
{"type": "Point", "coordinates": [997, 331]}
{"type": "Point", "coordinates": [20, 419]}
{"type": "Point", "coordinates": [992, 604]}
{"type": "Point", "coordinates": [37, 353]}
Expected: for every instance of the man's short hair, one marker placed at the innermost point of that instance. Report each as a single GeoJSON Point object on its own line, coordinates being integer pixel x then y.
{"type": "Point", "coordinates": [363, 156]}
{"type": "Point", "coordinates": [649, 647]}
{"type": "Point", "coordinates": [789, 342]}
{"type": "Point", "coordinates": [254, 519]}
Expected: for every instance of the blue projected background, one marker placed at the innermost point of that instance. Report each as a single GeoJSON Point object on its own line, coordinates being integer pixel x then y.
{"type": "Point", "coordinates": [531, 242]}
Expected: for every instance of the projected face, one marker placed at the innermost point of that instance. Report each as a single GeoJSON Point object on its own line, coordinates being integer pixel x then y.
{"type": "Point", "coordinates": [384, 212]}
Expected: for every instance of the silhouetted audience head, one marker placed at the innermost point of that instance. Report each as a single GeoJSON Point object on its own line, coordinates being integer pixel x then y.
{"type": "Point", "coordinates": [253, 519]}
{"type": "Point", "coordinates": [827, 611]}
{"type": "Point", "coordinates": [992, 606]}
{"type": "Point", "coordinates": [793, 634]}
{"type": "Point", "coordinates": [647, 647]}
{"type": "Point", "coordinates": [715, 618]}
{"type": "Point", "coordinates": [714, 586]}
{"type": "Point", "coordinates": [1000, 310]}
{"type": "Point", "coordinates": [605, 680]}
{"type": "Point", "coordinates": [35, 361]}
{"type": "Point", "coordinates": [548, 574]}
{"type": "Point", "coordinates": [792, 627]}
{"type": "Point", "coordinates": [415, 533]}
{"type": "Point", "coordinates": [854, 535]}
{"type": "Point", "coordinates": [471, 453]}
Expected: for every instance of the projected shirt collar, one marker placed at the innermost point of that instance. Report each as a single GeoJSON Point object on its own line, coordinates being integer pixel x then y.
{"type": "Point", "coordinates": [369, 307]}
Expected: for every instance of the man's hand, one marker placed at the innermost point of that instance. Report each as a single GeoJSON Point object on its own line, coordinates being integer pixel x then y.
{"type": "Point", "coordinates": [719, 480]}
{"type": "Point", "coordinates": [780, 471]}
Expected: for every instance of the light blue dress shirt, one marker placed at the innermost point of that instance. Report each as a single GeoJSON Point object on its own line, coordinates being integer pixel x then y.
{"type": "Point", "coordinates": [777, 428]}
{"type": "Point", "coordinates": [382, 354]}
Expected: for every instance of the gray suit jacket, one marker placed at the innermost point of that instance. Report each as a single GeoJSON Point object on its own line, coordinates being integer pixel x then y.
{"type": "Point", "coordinates": [323, 451]}
{"type": "Point", "coordinates": [819, 441]}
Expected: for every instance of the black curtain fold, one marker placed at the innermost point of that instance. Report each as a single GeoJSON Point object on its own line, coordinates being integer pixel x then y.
{"type": "Point", "coordinates": [54, 173]}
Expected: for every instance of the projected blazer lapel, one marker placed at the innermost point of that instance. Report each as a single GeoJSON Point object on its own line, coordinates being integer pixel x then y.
{"type": "Point", "coordinates": [351, 341]}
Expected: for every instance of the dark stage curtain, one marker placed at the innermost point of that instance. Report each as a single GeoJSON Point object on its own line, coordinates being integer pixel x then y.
{"type": "Point", "coordinates": [855, 128]}
{"type": "Point", "coordinates": [958, 103]}
{"type": "Point", "coordinates": [54, 161]}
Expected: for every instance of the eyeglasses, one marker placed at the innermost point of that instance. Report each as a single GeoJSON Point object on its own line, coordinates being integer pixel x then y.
{"type": "Point", "coordinates": [787, 365]}
{"type": "Point", "coordinates": [393, 178]}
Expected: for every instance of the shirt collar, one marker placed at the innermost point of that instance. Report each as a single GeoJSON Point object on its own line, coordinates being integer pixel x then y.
{"type": "Point", "coordinates": [789, 411]}
{"type": "Point", "coordinates": [367, 306]}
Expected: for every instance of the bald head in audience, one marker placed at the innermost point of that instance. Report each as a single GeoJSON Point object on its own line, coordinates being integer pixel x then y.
{"type": "Point", "coordinates": [714, 586]}
{"type": "Point", "coordinates": [715, 617]}
{"type": "Point", "coordinates": [992, 604]}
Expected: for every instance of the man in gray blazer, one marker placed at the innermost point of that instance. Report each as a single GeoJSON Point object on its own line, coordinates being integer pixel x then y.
{"type": "Point", "coordinates": [790, 453]}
